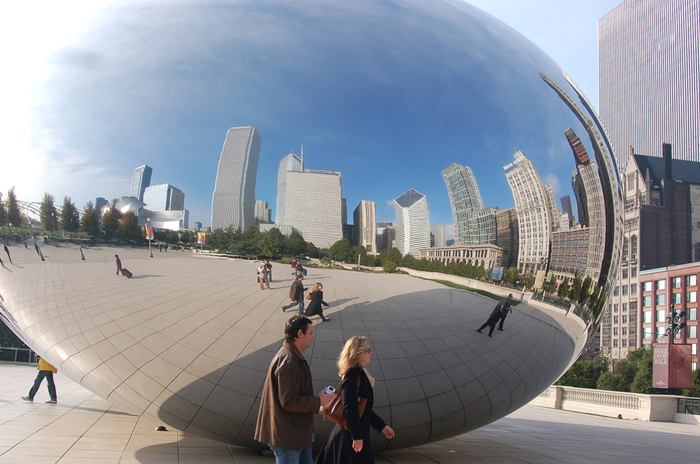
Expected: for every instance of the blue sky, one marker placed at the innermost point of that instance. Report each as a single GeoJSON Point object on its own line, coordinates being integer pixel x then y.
{"type": "Point", "coordinates": [388, 104]}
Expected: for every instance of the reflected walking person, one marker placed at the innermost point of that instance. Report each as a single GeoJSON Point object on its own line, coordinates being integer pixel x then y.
{"type": "Point", "coordinates": [505, 309]}
{"type": "Point", "coordinates": [7, 250]}
{"type": "Point", "coordinates": [46, 371]}
{"type": "Point", "coordinates": [296, 294]}
{"type": "Point", "coordinates": [316, 305]}
{"type": "Point", "coordinates": [493, 318]}
{"type": "Point", "coordinates": [350, 443]}
{"type": "Point", "coordinates": [119, 264]}
{"type": "Point", "coordinates": [287, 406]}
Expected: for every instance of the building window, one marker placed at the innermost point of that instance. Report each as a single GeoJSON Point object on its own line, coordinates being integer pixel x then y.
{"type": "Point", "coordinates": [661, 284]}
{"type": "Point", "coordinates": [647, 317]}
{"type": "Point", "coordinates": [691, 297]}
{"type": "Point", "coordinates": [633, 331]}
{"type": "Point", "coordinates": [677, 298]}
{"type": "Point", "coordinates": [694, 366]}
{"type": "Point", "coordinates": [624, 319]}
{"type": "Point", "coordinates": [633, 289]}
{"type": "Point", "coordinates": [661, 300]}
{"type": "Point", "coordinates": [624, 289]}
{"type": "Point", "coordinates": [615, 308]}
{"type": "Point", "coordinates": [647, 301]}
{"type": "Point", "coordinates": [624, 309]}
{"type": "Point", "coordinates": [647, 286]}
{"type": "Point", "coordinates": [647, 333]}
{"type": "Point", "coordinates": [614, 342]}
{"type": "Point", "coordinates": [614, 331]}
{"type": "Point", "coordinates": [616, 320]}
{"type": "Point", "coordinates": [692, 331]}
{"type": "Point", "coordinates": [633, 307]}
{"type": "Point", "coordinates": [691, 280]}
{"type": "Point", "coordinates": [660, 333]}
{"type": "Point", "coordinates": [661, 315]}
{"type": "Point", "coordinates": [692, 314]}
{"type": "Point", "coordinates": [624, 331]}
{"type": "Point", "coordinates": [694, 349]}
{"type": "Point", "coordinates": [633, 270]}
{"type": "Point", "coordinates": [624, 273]}
{"type": "Point", "coordinates": [616, 292]}
{"type": "Point", "coordinates": [676, 282]}
{"type": "Point", "coordinates": [633, 246]}
{"type": "Point", "coordinates": [624, 342]}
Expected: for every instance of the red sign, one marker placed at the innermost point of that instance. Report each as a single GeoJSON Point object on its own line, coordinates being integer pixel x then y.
{"type": "Point", "coordinates": [672, 367]}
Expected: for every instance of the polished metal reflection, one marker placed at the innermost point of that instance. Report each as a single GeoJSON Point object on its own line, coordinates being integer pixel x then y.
{"type": "Point", "coordinates": [435, 98]}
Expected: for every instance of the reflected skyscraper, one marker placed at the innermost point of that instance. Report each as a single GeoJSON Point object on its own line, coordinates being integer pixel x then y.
{"type": "Point", "coordinates": [309, 201]}
{"type": "Point", "coordinates": [566, 209]}
{"type": "Point", "coordinates": [412, 223]}
{"type": "Point", "coordinates": [474, 224]}
{"type": "Point", "coordinates": [534, 214]}
{"type": "Point", "coordinates": [164, 197]}
{"type": "Point", "coordinates": [233, 201]}
{"type": "Point", "coordinates": [140, 180]}
{"type": "Point", "coordinates": [290, 163]}
{"type": "Point", "coordinates": [507, 235]}
{"type": "Point", "coordinates": [438, 234]}
{"type": "Point", "coordinates": [590, 190]}
{"type": "Point", "coordinates": [365, 225]}
{"type": "Point", "coordinates": [262, 212]}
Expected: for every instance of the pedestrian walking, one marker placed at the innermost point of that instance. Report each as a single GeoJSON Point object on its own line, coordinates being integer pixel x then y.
{"type": "Point", "coordinates": [296, 294]}
{"type": "Point", "coordinates": [294, 267]}
{"type": "Point", "coordinates": [493, 318]}
{"type": "Point", "coordinates": [316, 305]}
{"type": "Point", "coordinates": [287, 406]}
{"type": "Point", "coordinates": [349, 441]}
{"type": "Point", "coordinates": [119, 264]}
{"type": "Point", "coordinates": [38, 251]}
{"type": "Point", "coordinates": [46, 371]}
{"type": "Point", "coordinates": [262, 277]}
{"type": "Point", "coordinates": [82, 255]}
{"type": "Point", "coordinates": [268, 267]}
{"type": "Point", "coordinates": [300, 269]}
{"type": "Point", "coordinates": [505, 309]}
{"type": "Point", "coordinates": [7, 250]}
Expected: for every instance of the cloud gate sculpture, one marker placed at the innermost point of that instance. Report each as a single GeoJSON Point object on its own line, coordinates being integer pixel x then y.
{"type": "Point", "coordinates": [437, 112]}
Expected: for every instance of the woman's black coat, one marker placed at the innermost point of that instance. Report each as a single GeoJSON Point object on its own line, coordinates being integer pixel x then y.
{"type": "Point", "coordinates": [316, 305]}
{"type": "Point", "coordinates": [338, 448]}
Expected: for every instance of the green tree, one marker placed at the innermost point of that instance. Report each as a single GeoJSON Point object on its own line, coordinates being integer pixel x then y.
{"type": "Point", "coordinates": [563, 290]}
{"type": "Point", "coordinates": [14, 217]}
{"type": "Point", "coordinates": [110, 223]}
{"type": "Point", "coordinates": [272, 243]}
{"type": "Point", "coordinates": [358, 251]}
{"type": "Point", "coordinates": [90, 222]}
{"type": "Point", "coordinates": [294, 245]}
{"type": "Point", "coordinates": [129, 229]}
{"type": "Point", "coordinates": [341, 251]}
{"type": "Point", "coordinates": [585, 290]}
{"type": "Point", "coordinates": [312, 251]}
{"type": "Point", "coordinates": [408, 261]}
{"type": "Point", "coordinates": [70, 220]}
{"type": "Point", "coordinates": [48, 214]}
{"type": "Point", "coordinates": [575, 289]}
{"type": "Point", "coordinates": [550, 286]}
{"type": "Point", "coordinates": [393, 255]}
{"type": "Point", "coordinates": [584, 373]}
{"type": "Point", "coordinates": [511, 275]}
{"type": "Point", "coordinates": [3, 212]}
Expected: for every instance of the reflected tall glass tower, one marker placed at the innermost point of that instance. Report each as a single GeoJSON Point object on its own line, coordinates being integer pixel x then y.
{"type": "Point", "coordinates": [365, 225]}
{"type": "Point", "coordinates": [290, 163]}
{"type": "Point", "coordinates": [650, 77]}
{"type": "Point", "coordinates": [412, 223]}
{"type": "Point", "coordinates": [140, 180]}
{"type": "Point", "coordinates": [474, 224]}
{"type": "Point", "coordinates": [233, 201]}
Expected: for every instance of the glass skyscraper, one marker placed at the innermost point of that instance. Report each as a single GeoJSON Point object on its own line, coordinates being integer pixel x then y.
{"type": "Point", "coordinates": [474, 224]}
{"type": "Point", "coordinates": [233, 201]}
{"type": "Point", "coordinates": [650, 77]}
{"type": "Point", "coordinates": [140, 180]}
{"type": "Point", "coordinates": [412, 223]}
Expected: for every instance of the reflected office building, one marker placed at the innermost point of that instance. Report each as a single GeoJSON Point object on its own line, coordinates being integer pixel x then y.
{"type": "Point", "coordinates": [189, 341]}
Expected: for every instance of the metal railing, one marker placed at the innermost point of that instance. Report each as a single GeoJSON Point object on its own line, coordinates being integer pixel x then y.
{"type": "Point", "coordinates": [689, 406]}
{"type": "Point", "coordinates": [17, 355]}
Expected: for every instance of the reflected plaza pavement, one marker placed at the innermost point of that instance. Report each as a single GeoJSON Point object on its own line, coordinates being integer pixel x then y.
{"type": "Point", "coordinates": [188, 340]}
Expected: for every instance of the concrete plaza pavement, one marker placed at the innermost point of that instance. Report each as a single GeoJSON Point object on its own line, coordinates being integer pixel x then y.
{"type": "Point", "coordinates": [83, 428]}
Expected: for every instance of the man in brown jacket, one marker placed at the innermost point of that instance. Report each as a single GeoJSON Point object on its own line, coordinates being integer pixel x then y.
{"type": "Point", "coordinates": [288, 403]}
{"type": "Point", "coordinates": [296, 294]}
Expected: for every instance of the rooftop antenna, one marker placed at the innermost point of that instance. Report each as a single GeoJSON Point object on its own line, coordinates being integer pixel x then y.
{"type": "Point", "coordinates": [302, 156]}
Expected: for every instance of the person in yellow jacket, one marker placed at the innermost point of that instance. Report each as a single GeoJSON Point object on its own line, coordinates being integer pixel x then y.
{"type": "Point", "coordinates": [45, 370]}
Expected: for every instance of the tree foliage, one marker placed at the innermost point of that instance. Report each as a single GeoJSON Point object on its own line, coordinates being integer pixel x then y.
{"type": "Point", "coordinates": [90, 222]}
{"type": "Point", "coordinates": [110, 224]}
{"type": "Point", "coordinates": [14, 217]}
{"type": "Point", "coordinates": [584, 373]}
{"type": "Point", "coordinates": [129, 229]}
{"type": "Point", "coordinates": [48, 214]}
{"type": "Point", "coordinates": [70, 220]}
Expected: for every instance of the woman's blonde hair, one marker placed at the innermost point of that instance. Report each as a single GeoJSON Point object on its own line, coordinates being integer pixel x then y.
{"type": "Point", "coordinates": [317, 286]}
{"type": "Point", "coordinates": [351, 354]}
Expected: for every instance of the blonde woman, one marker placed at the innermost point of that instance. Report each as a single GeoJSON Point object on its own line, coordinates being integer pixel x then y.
{"type": "Point", "coordinates": [353, 445]}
